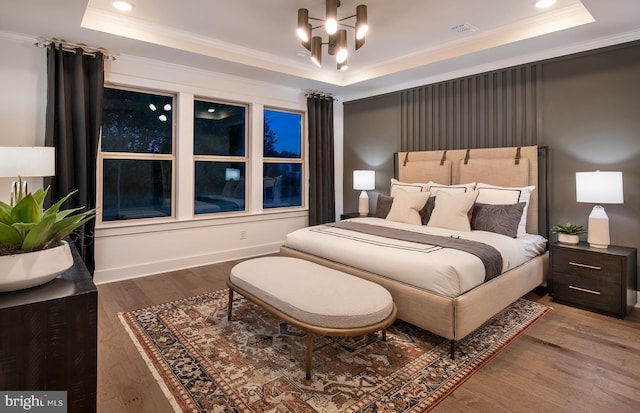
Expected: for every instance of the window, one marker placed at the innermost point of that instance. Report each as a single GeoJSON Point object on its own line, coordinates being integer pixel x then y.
{"type": "Point", "coordinates": [136, 155]}
{"type": "Point", "coordinates": [282, 163]}
{"type": "Point", "coordinates": [219, 145]}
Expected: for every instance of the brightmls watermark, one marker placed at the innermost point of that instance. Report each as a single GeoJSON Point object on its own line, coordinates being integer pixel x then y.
{"type": "Point", "coordinates": [33, 401]}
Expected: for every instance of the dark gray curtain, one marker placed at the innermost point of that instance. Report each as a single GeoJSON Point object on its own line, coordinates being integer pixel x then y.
{"type": "Point", "coordinates": [75, 87]}
{"type": "Point", "coordinates": [321, 171]}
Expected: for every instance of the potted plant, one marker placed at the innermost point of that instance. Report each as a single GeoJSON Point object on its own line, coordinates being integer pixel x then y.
{"type": "Point", "coordinates": [568, 233]}
{"type": "Point", "coordinates": [32, 249]}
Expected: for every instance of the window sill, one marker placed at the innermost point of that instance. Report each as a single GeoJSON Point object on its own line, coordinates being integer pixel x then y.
{"type": "Point", "coordinates": [167, 224]}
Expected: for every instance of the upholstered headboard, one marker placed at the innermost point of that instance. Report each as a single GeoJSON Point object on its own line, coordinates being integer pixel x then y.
{"type": "Point", "coordinates": [508, 167]}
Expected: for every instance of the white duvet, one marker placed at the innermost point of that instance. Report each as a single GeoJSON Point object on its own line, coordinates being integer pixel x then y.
{"type": "Point", "coordinates": [444, 271]}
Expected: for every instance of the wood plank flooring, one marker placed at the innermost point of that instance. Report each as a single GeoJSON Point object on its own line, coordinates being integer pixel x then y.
{"type": "Point", "coordinates": [570, 361]}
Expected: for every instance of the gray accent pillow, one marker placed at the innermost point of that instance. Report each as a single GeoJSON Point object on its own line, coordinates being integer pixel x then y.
{"type": "Point", "coordinates": [499, 218]}
{"type": "Point", "coordinates": [383, 206]}
{"type": "Point", "coordinates": [428, 209]}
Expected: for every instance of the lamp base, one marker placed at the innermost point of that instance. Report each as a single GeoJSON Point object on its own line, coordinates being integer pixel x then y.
{"type": "Point", "coordinates": [598, 236]}
{"type": "Point", "coordinates": [363, 204]}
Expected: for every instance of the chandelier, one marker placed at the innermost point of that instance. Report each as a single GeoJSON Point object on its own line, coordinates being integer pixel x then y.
{"type": "Point", "coordinates": [337, 41]}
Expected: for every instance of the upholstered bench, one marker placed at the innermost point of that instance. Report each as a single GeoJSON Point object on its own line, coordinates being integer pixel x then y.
{"type": "Point", "coordinates": [313, 298]}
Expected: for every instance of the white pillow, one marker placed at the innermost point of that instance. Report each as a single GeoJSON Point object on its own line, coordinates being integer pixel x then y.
{"type": "Point", "coordinates": [500, 195]}
{"type": "Point", "coordinates": [452, 189]}
{"type": "Point", "coordinates": [406, 206]}
{"type": "Point", "coordinates": [452, 210]}
{"type": "Point", "coordinates": [408, 187]}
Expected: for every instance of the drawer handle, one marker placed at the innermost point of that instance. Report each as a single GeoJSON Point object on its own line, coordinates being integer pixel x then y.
{"type": "Point", "coordinates": [577, 264]}
{"type": "Point", "coordinates": [584, 290]}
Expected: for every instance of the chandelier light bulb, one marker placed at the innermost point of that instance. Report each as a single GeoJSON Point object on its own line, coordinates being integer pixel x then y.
{"type": "Point", "coordinates": [331, 26]}
{"type": "Point", "coordinates": [341, 56]}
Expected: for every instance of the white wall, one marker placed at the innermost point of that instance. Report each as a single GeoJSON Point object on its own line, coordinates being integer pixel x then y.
{"type": "Point", "coordinates": [143, 248]}
{"type": "Point", "coordinates": [23, 92]}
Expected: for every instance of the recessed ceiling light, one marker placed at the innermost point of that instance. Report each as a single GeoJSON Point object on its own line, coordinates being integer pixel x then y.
{"type": "Point", "coordinates": [543, 4]}
{"type": "Point", "coordinates": [167, 107]}
{"type": "Point", "coordinates": [122, 5]}
{"type": "Point", "coordinates": [163, 118]}
{"type": "Point", "coordinates": [152, 107]}
{"type": "Point", "coordinates": [211, 110]}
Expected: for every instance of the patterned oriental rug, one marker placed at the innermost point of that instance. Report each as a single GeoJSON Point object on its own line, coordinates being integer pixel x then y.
{"type": "Point", "coordinates": [255, 363]}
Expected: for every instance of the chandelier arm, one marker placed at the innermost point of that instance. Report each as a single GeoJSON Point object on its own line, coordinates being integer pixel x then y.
{"type": "Point", "coordinates": [346, 18]}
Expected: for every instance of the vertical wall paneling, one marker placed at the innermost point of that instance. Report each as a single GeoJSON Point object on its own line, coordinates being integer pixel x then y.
{"type": "Point", "coordinates": [486, 110]}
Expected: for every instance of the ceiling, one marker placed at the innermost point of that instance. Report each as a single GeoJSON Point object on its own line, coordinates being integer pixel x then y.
{"type": "Point", "coordinates": [409, 42]}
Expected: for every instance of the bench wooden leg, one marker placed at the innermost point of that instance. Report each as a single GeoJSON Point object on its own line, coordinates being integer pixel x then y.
{"type": "Point", "coordinates": [230, 305]}
{"type": "Point", "coordinates": [307, 363]}
{"type": "Point", "coordinates": [384, 335]}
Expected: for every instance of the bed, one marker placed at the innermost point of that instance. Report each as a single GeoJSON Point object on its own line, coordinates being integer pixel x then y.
{"type": "Point", "coordinates": [455, 306]}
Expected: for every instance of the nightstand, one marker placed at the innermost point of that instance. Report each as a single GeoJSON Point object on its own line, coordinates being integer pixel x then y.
{"type": "Point", "coordinates": [348, 215]}
{"type": "Point", "coordinates": [602, 280]}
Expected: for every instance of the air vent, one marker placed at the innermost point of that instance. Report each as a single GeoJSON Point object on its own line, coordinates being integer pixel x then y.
{"type": "Point", "coordinates": [464, 28]}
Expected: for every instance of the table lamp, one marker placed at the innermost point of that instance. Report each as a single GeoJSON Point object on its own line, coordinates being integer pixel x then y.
{"type": "Point", "coordinates": [364, 181]}
{"type": "Point", "coordinates": [598, 188]}
{"type": "Point", "coordinates": [23, 162]}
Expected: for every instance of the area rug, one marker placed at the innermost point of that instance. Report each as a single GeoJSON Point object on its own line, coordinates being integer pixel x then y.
{"type": "Point", "coordinates": [255, 363]}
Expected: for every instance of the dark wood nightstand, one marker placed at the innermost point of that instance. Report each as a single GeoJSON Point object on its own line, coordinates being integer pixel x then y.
{"type": "Point", "coordinates": [348, 215]}
{"type": "Point", "coordinates": [596, 279]}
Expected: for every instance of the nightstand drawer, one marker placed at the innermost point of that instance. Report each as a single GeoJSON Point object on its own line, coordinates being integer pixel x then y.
{"type": "Point", "coordinates": [588, 292]}
{"type": "Point", "coordinates": [592, 265]}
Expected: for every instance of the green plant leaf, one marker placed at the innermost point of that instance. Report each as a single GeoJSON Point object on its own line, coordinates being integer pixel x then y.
{"type": "Point", "coordinates": [23, 228]}
{"type": "Point", "coordinates": [9, 236]}
{"type": "Point", "coordinates": [27, 210]}
{"type": "Point", "coordinates": [5, 214]}
{"type": "Point", "coordinates": [39, 196]}
{"type": "Point", "coordinates": [67, 225]}
{"type": "Point", "coordinates": [39, 235]}
{"type": "Point", "coordinates": [53, 209]}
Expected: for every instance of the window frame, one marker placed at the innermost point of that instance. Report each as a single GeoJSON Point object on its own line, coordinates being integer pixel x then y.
{"type": "Point", "coordinates": [226, 159]}
{"type": "Point", "coordinates": [102, 156]}
{"type": "Point", "coordinates": [302, 160]}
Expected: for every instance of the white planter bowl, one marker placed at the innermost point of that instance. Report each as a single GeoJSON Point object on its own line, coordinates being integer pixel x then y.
{"type": "Point", "coordinates": [20, 271]}
{"type": "Point", "coordinates": [572, 239]}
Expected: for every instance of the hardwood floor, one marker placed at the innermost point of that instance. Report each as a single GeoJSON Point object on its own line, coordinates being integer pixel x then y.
{"type": "Point", "coordinates": [570, 361]}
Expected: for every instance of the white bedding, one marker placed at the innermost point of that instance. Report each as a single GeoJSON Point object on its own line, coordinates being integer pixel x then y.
{"type": "Point", "coordinates": [444, 271]}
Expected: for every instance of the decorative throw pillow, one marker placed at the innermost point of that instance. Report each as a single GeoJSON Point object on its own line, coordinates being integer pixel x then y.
{"type": "Point", "coordinates": [383, 206]}
{"type": "Point", "coordinates": [452, 189]}
{"type": "Point", "coordinates": [406, 206]}
{"type": "Point", "coordinates": [452, 210]}
{"type": "Point", "coordinates": [500, 218]}
{"type": "Point", "coordinates": [492, 194]}
{"type": "Point", "coordinates": [428, 209]}
{"type": "Point", "coordinates": [409, 187]}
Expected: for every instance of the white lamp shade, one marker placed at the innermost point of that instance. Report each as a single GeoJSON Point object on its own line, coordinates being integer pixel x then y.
{"type": "Point", "coordinates": [364, 180]}
{"type": "Point", "coordinates": [599, 187]}
{"type": "Point", "coordinates": [27, 161]}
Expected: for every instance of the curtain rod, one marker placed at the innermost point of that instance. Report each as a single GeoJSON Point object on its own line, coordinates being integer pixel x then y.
{"type": "Point", "coordinates": [317, 93]}
{"type": "Point", "coordinates": [72, 47]}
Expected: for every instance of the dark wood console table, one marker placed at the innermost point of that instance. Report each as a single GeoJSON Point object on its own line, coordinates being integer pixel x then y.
{"type": "Point", "coordinates": [49, 337]}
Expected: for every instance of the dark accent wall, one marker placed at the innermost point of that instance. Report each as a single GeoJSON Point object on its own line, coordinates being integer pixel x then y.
{"type": "Point", "coordinates": [584, 107]}
{"type": "Point", "coordinates": [489, 110]}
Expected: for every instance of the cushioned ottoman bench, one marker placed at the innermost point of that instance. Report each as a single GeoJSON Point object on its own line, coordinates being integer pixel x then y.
{"type": "Point", "coordinates": [313, 298]}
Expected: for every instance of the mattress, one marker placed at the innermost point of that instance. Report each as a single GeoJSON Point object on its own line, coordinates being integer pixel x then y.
{"type": "Point", "coordinates": [445, 271]}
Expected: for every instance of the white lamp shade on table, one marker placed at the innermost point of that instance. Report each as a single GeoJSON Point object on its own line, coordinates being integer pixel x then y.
{"type": "Point", "coordinates": [27, 161]}
{"type": "Point", "coordinates": [24, 162]}
{"type": "Point", "coordinates": [364, 181]}
{"type": "Point", "coordinates": [599, 187]}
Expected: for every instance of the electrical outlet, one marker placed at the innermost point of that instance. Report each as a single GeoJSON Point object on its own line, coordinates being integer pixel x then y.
{"type": "Point", "coordinates": [243, 234]}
